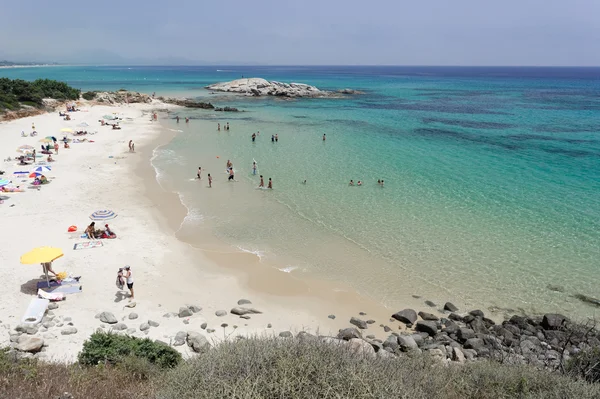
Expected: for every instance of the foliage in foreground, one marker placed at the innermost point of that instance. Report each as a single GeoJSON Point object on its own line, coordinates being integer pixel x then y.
{"type": "Point", "coordinates": [89, 95]}
{"type": "Point", "coordinates": [113, 348]}
{"type": "Point", "coordinates": [276, 368]}
{"type": "Point", "coordinates": [586, 364]}
{"type": "Point", "coordinates": [14, 93]}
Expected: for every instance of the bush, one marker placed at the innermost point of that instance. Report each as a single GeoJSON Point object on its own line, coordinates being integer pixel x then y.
{"type": "Point", "coordinates": [586, 365]}
{"type": "Point", "coordinates": [113, 348]}
{"type": "Point", "coordinates": [89, 95]}
{"type": "Point", "coordinates": [275, 368]}
{"type": "Point", "coordinates": [16, 92]}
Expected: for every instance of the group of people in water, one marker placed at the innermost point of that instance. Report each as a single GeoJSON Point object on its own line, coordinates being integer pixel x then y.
{"type": "Point", "coordinates": [360, 183]}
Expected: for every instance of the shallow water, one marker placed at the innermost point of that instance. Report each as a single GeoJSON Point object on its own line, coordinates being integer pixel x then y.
{"type": "Point", "coordinates": [492, 177]}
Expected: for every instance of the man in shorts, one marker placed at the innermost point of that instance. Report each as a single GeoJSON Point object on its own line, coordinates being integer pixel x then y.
{"type": "Point", "coordinates": [231, 174]}
{"type": "Point", "coordinates": [129, 279]}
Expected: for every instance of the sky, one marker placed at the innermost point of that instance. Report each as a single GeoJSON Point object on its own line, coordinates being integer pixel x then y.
{"type": "Point", "coordinates": [305, 32]}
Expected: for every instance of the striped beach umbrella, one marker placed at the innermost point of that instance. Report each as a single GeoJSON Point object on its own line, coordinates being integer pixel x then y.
{"type": "Point", "coordinates": [34, 174]}
{"type": "Point", "coordinates": [24, 148]}
{"type": "Point", "coordinates": [42, 169]}
{"type": "Point", "coordinates": [4, 182]}
{"type": "Point", "coordinates": [104, 214]}
{"type": "Point", "coordinates": [20, 172]}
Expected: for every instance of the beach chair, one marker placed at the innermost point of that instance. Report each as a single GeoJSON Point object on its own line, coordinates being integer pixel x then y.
{"type": "Point", "coordinates": [35, 311]}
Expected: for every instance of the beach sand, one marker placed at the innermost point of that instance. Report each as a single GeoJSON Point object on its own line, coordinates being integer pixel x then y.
{"type": "Point", "coordinates": [168, 273]}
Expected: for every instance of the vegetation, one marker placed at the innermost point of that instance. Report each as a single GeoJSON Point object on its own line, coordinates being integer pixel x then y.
{"type": "Point", "coordinates": [113, 348]}
{"type": "Point", "coordinates": [16, 93]}
{"type": "Point", "coordinates": [276, 368]}
{"type": "Point", "coordinates": [586, 365]}
{"type": "Point", "coordinates": [89, 95]}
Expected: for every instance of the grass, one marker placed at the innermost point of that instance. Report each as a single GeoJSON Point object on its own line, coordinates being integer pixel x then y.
{"type": "Point", "coordinates": [277, 368]}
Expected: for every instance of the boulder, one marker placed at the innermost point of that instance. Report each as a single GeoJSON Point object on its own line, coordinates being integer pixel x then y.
{"type": "Point", "coordinates": [391, 344]}
{"type": "Point", "coordinates": [428, 327]}
{"type": "Point", "coordinates": [239, 311]}
{"type": "Point", "coordinates": [449, 306]}
{"type": "Point", "coordinates": [133, 316]}
{"type": "Point", "coordinates": [221, 313]}
{"type": "Point", "coordinates": [153, 323]}
{"type": "Point", "coordinates": [349, 333]}
{"type": "Point", "coordinates": [458, 355]}
{"type": "Point", "coordinates": [68, 331]}
{"type": "Point", "coordinates": [107, 317]}
{"type": "Point", "coordinates": [464, 334]}
{"type": "Point", "coordinates": [261, 87]}
{"type": "Point", "coordinates": [474, 343]}
{"type": "Point", "coordinates": [180, 338]}
{"type": "Point", "coordinates": [29, 344]}
{"type": "Point", "coordinates": [358, 323]}
{"type": "Point", "coordinates": [478, 326]}
{"type": "Point", "coordinates": [361, 347]}
{"type": "Point", "coordinates": [407, 343]}
{"type": "Point", "coordinates": [144, 326]}
{"type": "Point", "coordinates": [477, 313]}
{"type": "Point", "coordinates": [406, 316]}
{"type": "Point", "coordinates": [428, 316]}
{"type": "Point", "coordinates": [286, 334]}
{"type": "Point", "coordinates": [553, 321]}
{"type": "Point", "coordinates": [197, 341]}
{"type": "Point", "coordinates": [185, 312]}
{"type": "Point", "coordinates": [119, 327]}
{"type": "Point", "coordinates": [244, 302]}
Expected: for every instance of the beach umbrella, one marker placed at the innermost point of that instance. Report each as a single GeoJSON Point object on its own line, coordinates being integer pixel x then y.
{"type": "Point", "coordinates": [51, 138]}
{"type": "Point", "coordinates": [4, 182]}
{"type": "Point", "coordinates": [104, 214]}
{"type": "Point", "coordinates": [83, 124]}
{"type": "Point", "coordinates": [109, 117]}
{"type": "Point", "coordinates": [24, 148]}
{"type": "Point", "coordinates": [20, 172]}
{"type": "Point", "coordinates": [42, 169]}
{"type": "Point", "coordinates": [66, 130]}
{"type": "Point", "coordinates": [34, 174]}
{"type": "Point", "coordinates": [46, 140]}
{"type": "Point", "coordinates": [42, 255]}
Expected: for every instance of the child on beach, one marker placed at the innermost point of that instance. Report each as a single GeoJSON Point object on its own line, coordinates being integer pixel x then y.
{"type": "Point", "coordinates": [120, 280]}
{"type": "Point", "coordinates": [270, 184]}
{"type": "Point", "coordinates": [199, 174]}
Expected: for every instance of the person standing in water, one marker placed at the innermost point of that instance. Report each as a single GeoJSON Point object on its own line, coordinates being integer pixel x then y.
{"type": "Point", "coordinates": [227, 125]}
{"type": "Point", "coordinates": [209, 181]}
{"type": "Point", "coordinates": [177, 118]}
{"type": "Point", "coordinates": [323, 137]}
{"type": "Point", "coordinates": [231, 177]}
{"type": "Point", "coordinates": [253, 137]}
{"type": "Point", "coordinates": [272, 138]}
{"type": "Point", "coordinates": [276, 137]}
{"type": "Point", "coordinates": [254, 167]}
{"type": "Point", "coordinates": [351, 183]}
{"type": "Point", "coordinates": [199, 174]}
{"type": "Point", "coordinates": [218, 127]}
{"type": "Point", "coordinates": [262, 182]}
{"type": "Point", "coordinates": [270, 184]}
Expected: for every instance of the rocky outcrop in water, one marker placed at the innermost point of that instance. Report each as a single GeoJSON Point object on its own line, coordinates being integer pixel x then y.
{"type": "Point", "coordinates": [261, 87]}
{"type": "Point", "coordinates": [187, 102]}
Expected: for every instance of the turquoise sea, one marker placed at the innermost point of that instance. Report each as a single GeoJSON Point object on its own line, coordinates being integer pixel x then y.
{"type": "Point", "coordinates": [492, 177]}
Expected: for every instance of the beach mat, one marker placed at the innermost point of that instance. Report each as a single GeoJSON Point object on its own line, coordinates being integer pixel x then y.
{"type": "Point", "coordinates": [63, 289]}
{"type": "Point", "coordinates": [87, 244]}
{"type": "Point", "coordinates": [35, 311]}
{"type": "Point", "coordinates": [54, 284]}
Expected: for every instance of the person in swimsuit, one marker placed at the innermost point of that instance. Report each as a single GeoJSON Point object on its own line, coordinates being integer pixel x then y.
{"type": "Point", "coordinates": [229, 164]}
{"type": "Point", "coordinates": [276, 137]}
{"type": "Point", "coordinates": [359, 183]}
{"type": "Point", "coordinates": [91, 231]}
{"type": "Point", "coordinates": [253, 137]}
{"type": "Point", "coordinates": [270, 184]}
{"type": "Point", "coordinates": [199, 174]}
{"type": "Point", "coordinates": [209, 181]}
{"type": "Point", "coordinates": [129, 280]}
{"type": "Point", "coordinates": [231, 175]}
{"type": "Point", "coordinates": [253, 168]}
{"type": "Point", "coordinates": [218, 127]}
{"type": "Point", "coordinates": [351, 183]}
{"type": "Point", "coordinates": [262, 182]}
{"type": "Point", "coordinates": [177, 118]}
{"type": "Point", "coordinates": [272, 138]}
{"type": "Point", "coordinates": [323, 137]}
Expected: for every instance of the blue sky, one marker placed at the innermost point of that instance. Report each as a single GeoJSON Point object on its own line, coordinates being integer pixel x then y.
{"type": "Point", "coordinates": [350, 32]}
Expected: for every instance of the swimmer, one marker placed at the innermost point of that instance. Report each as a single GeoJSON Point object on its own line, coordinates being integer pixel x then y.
{"type": "Point", "coordinates": [253, 137]}
{"type": "Point", "coordinates": [359, 183]}
{"type": "Point", "coordinates": [199, 174]}
{"type": "Point", "coordinates": [209, 181]}
{"type": "Point", "coordinates": [262, 182]}
{"type": "Point", "coordinates": [253, 168]}
{"type": "Point", "coordinates": [382, 183]}
{"type": "Point", "coordinates": [351, 183]}
{"type": "Point", "coordinates": [379, 181]}
{"type": "Point", "coordinates": [227, 126]}
{"type": "Point", "coordinates": [218, 127]}
{"type": "Point", "coordinates": [276, 137]}
{"type": "Point", "coordinates": [323, 137]}
{"type": "Point", "coordinates": [304, 182]}
{"type": "Point", "coordinates": [272, 138]}
{"type": "Point", "coordinates": [270, 184]}
{"type": "Point", "coordinates": [231, 175]}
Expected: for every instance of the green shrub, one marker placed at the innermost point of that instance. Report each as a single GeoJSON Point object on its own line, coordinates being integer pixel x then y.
{"type": "Point", "coordinates": [113, 348]}
{"type": "Point", "coordinates": [586, 365]}
{"type": "Point", "coordinates": [18, 91]}
{"type": "Point", "coordinates": [89, 95]}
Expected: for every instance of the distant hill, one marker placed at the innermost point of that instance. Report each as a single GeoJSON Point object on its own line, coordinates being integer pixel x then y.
{"type": "Point", "coordinates": [13, 63]}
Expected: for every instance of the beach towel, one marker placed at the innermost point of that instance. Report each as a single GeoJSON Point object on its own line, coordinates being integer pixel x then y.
{"type": "Point", "coordinates": [54, 284]}
{"type": "Point", "coordinates": [63, 289]}
{"type": "Point", "coordinates": [51, 296]}
{"type": "Point", "coordinates": [87, 244]}
{"type": "Point", "coordinates": [35, 311]}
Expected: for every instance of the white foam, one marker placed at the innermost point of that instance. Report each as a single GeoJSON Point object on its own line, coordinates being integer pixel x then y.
{"type": "Point", "coordinates": [175, 130]}
{"type": "Point", "coordinates": [288, 269]}
{"type": "Point", "coordinates": [260, 254]}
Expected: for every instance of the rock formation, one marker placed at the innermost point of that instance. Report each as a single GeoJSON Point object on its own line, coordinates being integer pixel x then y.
{"type": "Point", "coordinates": [261, 87]}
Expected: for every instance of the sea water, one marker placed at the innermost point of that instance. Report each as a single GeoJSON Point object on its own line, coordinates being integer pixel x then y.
{"type": "Point", "coordinates": [492, 177]}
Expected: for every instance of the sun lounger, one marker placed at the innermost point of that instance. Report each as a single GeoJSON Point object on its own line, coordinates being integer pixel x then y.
{"type": "Point", "coordinates": [35, 311]}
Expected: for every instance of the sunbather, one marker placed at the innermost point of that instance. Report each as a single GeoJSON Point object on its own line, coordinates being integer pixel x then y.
{"type": "Point", "coordinates": [91, 231]}
{"type": "Point", "coordinates": [108, 233]}
{"type": "Point", "coordinates": [50, 159]}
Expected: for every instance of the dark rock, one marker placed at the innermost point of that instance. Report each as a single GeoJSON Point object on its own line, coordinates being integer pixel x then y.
{"type": "Point", "coordinates": [468, 318]}
{"type": "Point", "coordinates": [477, 313]}
{"type": "Point", "coordinates": [244, 302]}
{"type": "Point", "coordinates": [227, 109]}
{"type": "Point", "coordinates": [203, 325]}
{"type": "Point", "coordinates": [224, 325]}
{"type": "Point", "coordinates": [331, 316]}
{"type": "Point", "coordinates": [416, 296]}
{"type": "Point", "coordinates": [197, 341]}
{"type": "Point", "coordinates": [245, 317]}
{"type": "Point", "coordinates": [464, 334]}
{"type": "Point", "coordinates": [371, 321]}
{"type": "Point", "coordinates": [243, 311]}
{"type": "Point", "coordinates": [451, 329]}
{"type": "Point", "coordinates": [489, 322]}
{"type": "Point", "coordinates": [349, 333]}
{"type": "Point", "coordinates": [478, 326]}
{"type": "Point", "coordinates": [358, 323]}
{"type": "Point", "coordinates": [519, 321]}
{"type": "Point", "coordinates": [180, 338]}
{"type": "Point", "coordinates": [184, 312]}
{"type": "Point", "coordinates": [449, 306]}
{"type": "Point", "coordinates": [407, 343]}
{"type": "Point", "coordinates": [286, 334]}
{"type": "Point", "coordinates": [391, 344]}
{"type": "Point", "coordinates": [428, 316]}
{"type": "Point", "coordinates": [188, 103]}
{"type": "Point", "coordinates": [431, 304]}
{"type": "Point", "coordinates": [455, 317]}
{"type": "Point", "coordinates": [513, 329]}
{"type": "Point", "coordinates": [194, 308]}
{"type": "Point", "coordinates": [406, 316]}
{"type": "Point", "coordinates": [588, 299]}
{"type": "Point", "coordinates": [362, 314]}
{"type": "Point", "coordinates": [474, 343]}
{"type": "Point", "coordinates": [429, 327]}
{"type": "Point", "coordinates": [386, 329]}
{"type": "Point", "coordinates": [553, 321]}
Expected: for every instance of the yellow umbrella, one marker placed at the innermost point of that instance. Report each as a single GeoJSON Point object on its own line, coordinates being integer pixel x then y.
{"type": "Point", "coordinates": [42, 255]}
{"type": "Point", "coordinates": [46, 140]}
{"type": "Point", "coordinates": [66, 130]}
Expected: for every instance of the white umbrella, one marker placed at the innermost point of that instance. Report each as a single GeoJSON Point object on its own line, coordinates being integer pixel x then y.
{"type": "Point", "coordinates": [83, 124]}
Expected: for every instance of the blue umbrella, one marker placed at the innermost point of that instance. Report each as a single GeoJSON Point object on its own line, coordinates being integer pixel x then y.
{"type": "Point", "coordinates": [43, 169]}
{"type": "Point", "coordinates": [4, 182]}
{"type": "Point", "coordinates": [104, 214]}
{"type": "Point", "coordinates": [21, 172]}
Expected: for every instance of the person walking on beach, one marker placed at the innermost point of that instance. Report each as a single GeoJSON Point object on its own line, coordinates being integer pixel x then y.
{"type": "Point", "coordinates": [276, 137]}
{"type": "Point", "coordinates": [270, 184]}
{"type": "Point", "coordinates": [132, 146]}
{"type": "Point", "coordinates": [209, 181]}
{"type": "Point", "coordinates": [130, 141]}
{"type": "Point", "coordinates": [56, 147]}
{"type": "Point", "coordinates": [199, 174]}
{"type": "Point", "coordinates": [254, 167]}
{"type": "Point", "coordinates": [262, 182]}
{"type": "Point", "coordinates": [34, 155]}
{"type": "Point", "coordinates": [129, 279]}
{"type": "Point", "coordinates": [231, 175]}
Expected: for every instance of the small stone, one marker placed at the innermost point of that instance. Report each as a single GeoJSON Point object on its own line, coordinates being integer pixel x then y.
{"type": "Point", "coordinates": [221, 313]}
{"type": "Point", "coordinates": [27, 329]}
{"type": "Point", "coordinates": [52, 306]}
{"type": "Point", "coordinates": [431, 304]}
{"type": "Point", "coordinates": [370, 337]}
{"type": "Point", "coordinates": [269, 325]}
{"type": "Point", "coordinates": [60, 325]}
{"type": "Point", "coordinates": [245, 317]}
{"type": "Point", "coordinates": [170, 314]}
{"type": "Point", "coordinates": [68, 331]}
{"type": "Point", "coordinates": [331, 316]}
{"type": "Point", "coordinates": [449, 306]}
{"type": "Point", "coordinates": [358, 323]}
{"type": "Point", "coordinates": [133, 316]}
{"type": "Point", "coordinates": [180, 338]}
{"type": "Point", "coordinates": [406, 316]}
{"type": "Point", "coordinates": [107, 317]}
{"type": "Point", "coordinates": [286, 334]}
{"type": "Point", "coordinates": [387, 329]}
{"type": "Point", "coordinates": [210, 330]}
{"type": "Point", "coordinates": [362, 314]}
{"type": "Point", "coordinates": [416, 296]}
{"type": "Point", "coordinates": [371, 321]}
{"type": "Point", "coordinates": [428, 316]}
{"type": "Point", "coordinates": [348, 333]}
{"type": "Point", "coordinates": [243, 311]}
{"type": "Point", "coordinates": [119, 327]}
{"type": "Point", "coordinates": [244, 302]}
{"type": "Point", "coordinates": [184, 312]}
{"type": "Point", "coordinates": [194, 308]}
{"type": "Point", "coordinates": [131, 305]}
{"type": "Point", "coordinates": [203, 325]}
{"type": "Point", "coordinates": [153, 323]}
{"type": "Point", "coordinates": [144, 326]}
{"type": "Point", "coordinates": [49, 324]}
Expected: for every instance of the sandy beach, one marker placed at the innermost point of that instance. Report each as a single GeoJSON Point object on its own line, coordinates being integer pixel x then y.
{"type": "Point", "coordinates": [168, 274]}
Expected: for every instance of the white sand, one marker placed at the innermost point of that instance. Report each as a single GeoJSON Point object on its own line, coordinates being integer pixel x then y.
{"type": "Point", "coordinates": [167, 273]}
